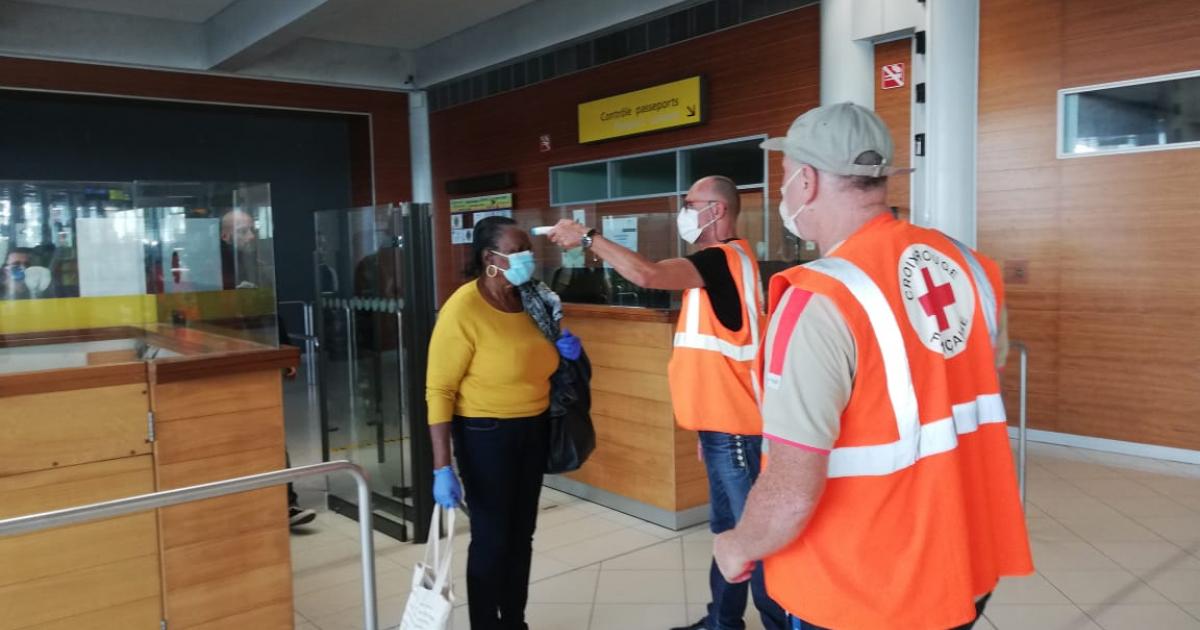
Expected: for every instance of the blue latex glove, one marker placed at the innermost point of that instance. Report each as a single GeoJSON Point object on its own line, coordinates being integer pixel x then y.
{"type": "Point", "coordinates": [447, 491]}
{"type": "Point", "coordinates": [568, 345]}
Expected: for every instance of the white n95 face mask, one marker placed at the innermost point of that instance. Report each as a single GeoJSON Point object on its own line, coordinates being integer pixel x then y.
{"type": "Point", "coordinates": [688, 222]}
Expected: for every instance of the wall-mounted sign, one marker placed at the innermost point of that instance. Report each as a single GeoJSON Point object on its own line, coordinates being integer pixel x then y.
{"type": "Point", "coordinates": [544, 143]}
{"type": "Point", "coordinates": [487, 202]}
{"type": "Point", "coordinates": [667, 106]}
{"type": "Point", "coordinates": [891, 76]}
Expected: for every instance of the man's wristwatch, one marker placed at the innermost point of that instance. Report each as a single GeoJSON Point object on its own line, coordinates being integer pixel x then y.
{"type": "Point", "coordinates": [586, 239]}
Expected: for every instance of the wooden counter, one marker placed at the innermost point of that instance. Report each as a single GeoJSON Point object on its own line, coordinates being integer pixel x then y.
{"type": "Point", "coordinates": [643, 464]}
{"type": "Point", "coordinates": [80, 433]}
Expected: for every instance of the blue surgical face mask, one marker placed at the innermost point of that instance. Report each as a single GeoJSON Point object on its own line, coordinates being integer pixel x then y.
{"type": "Point", "coordinates": [520, 267]}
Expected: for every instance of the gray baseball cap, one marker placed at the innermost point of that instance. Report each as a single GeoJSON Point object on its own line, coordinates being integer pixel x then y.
{"type": "Point", "coordinates": [834, 139]}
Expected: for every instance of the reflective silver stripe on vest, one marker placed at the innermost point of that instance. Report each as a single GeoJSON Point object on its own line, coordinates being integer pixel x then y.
{"type": "Point", "coordinates": [987, 295]}
{"type": "Point", "coordinates": [691, 337]}
{"type": "Point", "coordinates": [916, 440]}
{"type": "Point", "coordinates": [887, 333]}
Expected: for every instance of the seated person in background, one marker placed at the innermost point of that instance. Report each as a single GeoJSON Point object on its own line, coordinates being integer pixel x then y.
{"type": "Point", "coordinates": [12, 274]}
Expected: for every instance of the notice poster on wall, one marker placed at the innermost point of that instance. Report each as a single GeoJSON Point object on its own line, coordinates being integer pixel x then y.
{"type": "Point", "coordinates": [621, 230]}
{"type": "Point", "coordinates": [191, 258]}
{"type": "Point", "coordinates": [466, 212]}
{"type": "Point", "coordinates": [112, 255]}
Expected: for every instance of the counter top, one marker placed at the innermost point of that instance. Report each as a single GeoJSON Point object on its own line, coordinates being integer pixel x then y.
{"type": "Point", "coordinates": [622, 313]}
{"type": "Point", "coordinates": [78, 359]}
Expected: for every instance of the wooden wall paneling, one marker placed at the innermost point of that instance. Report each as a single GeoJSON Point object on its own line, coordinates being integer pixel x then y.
{"type": "Point", "coordinates": [79, 592]}
{"type": "Point", "coordinates": [1110, 296]}
{"type": "Point", "coordinates": [72, 427]}
{"type": "Point", "coordinates": [894, 106]}
{"type": "Point", "coordinates": [636, 438]}
{"type": "Point", "coordinates": [1018, 185]}
{"type": "Point", "coordinates": [1104, 41]}
{"type": "Point", "coordinates": [218, 395]}
{"type": "Point", "coordinates": [102, 574]}
{"type": "Point", "coordinates": [760, 76]}
{"type": "Point", "coordinates": [141, 614]}
{"type": "Point", "coordinates": [211, 429]}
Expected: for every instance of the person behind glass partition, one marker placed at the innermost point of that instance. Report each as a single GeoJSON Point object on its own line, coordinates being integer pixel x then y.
{"type": "Point", "coordinates": [12, 275]}
{"type": "Point", "coordinates": [239, 251]}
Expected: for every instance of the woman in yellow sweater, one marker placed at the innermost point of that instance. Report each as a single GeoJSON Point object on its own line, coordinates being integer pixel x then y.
{"type": "Point", "coordinates": [488, 388]}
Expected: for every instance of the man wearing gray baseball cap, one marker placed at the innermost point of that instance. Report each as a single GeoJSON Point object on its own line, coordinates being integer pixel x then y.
{"type": "Point", "coordinates": [890, 499]}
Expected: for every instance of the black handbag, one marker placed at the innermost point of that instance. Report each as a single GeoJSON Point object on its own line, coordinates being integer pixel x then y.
{"type": "Point", "coordinates": [572, 436]}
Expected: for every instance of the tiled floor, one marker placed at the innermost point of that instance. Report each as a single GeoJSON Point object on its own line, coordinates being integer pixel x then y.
{"type": "Point", "coordinates": [1116, 541]}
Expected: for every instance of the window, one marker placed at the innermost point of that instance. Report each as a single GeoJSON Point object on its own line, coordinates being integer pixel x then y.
{"type": "Point", "coordinates": [1144, 115]}
{"type": "Point", "coordinates": [658, 174]}
{"type": "Point", "coordinates": [583, 182]}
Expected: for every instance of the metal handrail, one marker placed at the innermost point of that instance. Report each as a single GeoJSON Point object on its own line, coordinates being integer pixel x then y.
{"type": "Point", "coordinates": [1022, 422]}
{"type": "Point", "coordinates": [140, 503]}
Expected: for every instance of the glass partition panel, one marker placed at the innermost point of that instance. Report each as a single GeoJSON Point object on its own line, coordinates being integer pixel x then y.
{"type": "Point", "coordinates": [79, 255]}
{"type": "Point", "coordinates": [360, 267]}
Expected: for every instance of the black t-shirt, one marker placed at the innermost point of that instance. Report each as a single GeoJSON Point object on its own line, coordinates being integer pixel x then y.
{"type": "Point", "coordinates": [713, 267]}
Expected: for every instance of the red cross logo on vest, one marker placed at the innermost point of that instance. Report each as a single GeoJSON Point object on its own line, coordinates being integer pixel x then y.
{"type": "Point", "coordinates": [937, 300]}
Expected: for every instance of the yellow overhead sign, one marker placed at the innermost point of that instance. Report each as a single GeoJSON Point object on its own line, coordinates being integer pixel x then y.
{"type": "Point", "coordinates": [666, 106]}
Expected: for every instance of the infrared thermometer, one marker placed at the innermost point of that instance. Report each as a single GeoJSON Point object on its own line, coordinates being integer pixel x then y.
{"type": "Point", "coordinates": [541, 230]}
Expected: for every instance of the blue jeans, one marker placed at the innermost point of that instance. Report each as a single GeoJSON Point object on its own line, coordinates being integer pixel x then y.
{"type": "Point", "coordinates": [733, 462]}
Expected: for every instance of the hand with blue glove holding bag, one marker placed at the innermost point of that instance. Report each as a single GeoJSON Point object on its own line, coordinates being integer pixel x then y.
{"type": "Point", "coordinates": [568, 346]}
{"type": "Point", "coordinates": [447, 491]}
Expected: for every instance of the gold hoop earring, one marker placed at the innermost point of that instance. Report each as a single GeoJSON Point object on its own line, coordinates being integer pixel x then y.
{"type": "Point", "coordinates": [491, 271]}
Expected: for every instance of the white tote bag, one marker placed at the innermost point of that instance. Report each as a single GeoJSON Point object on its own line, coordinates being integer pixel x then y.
{"type": "Point", "coordinates": [432, 599]}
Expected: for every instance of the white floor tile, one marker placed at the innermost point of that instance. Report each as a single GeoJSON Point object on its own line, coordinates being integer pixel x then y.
{"type": "Point", "coordinates": [602, 548]}
{"type": "Point", "coordinates": [545, 567]}
{"type": "Point", "coordinates": [637, 616]}
{"type": "Point", "coordinates": [663, 556]}
{"type": "Point", "coordinates": [1153, 505]}
{"type": "Point", "coordinates": [560, 514]}
{"type": "Point", "coordinates": [576, 587]}
{"type": "Point", "coordinates": [1179, 586]}
{"type": "Point", "coordinates": [1103, 587]}
{"type": "Point", "coordinates": [1049, 530]}
{"type": "Point", "coordinates": [1039, 617]}
{"type": "Point", "coordinates": [1031, 589]}
{"type": "Point", "coordinates": [572, 533]}
{"type": "Point", "coordinates": [1153, 556]}
{"type": "Point", "coordinates": [698, 589]}
{"type": "Point", "coordinates": [1069, 556]}
{"type": "Point", "coordinates": [556, 616]}
{"type": "Point", "coordinates": [697, 555]}
{"type": "Point", "coordinates": [1182, 530]}
{"type": "Point", "coordinates": [1116, 528]}
{"type": "Point", "coordinates": [1143, 617]}
{"type": "Point", "coordinates": [640, 587]}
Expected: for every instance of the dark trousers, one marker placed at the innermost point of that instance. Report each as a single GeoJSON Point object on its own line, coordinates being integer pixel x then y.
{"type": "Point", "coordinates": [800, 624]}
{"type": "Point", "coordinates": [733, 463]}
{"type": "Point", "coordinates": [501, 464]}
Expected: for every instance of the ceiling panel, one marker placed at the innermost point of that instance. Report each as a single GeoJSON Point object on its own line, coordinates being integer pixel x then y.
{"type": "Point", "coordinates": [408, 24]}
{"type": "Point", "coordinates": [179, 10]}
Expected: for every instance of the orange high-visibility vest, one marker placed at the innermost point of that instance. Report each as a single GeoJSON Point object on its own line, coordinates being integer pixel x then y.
{"type": "Point", "coordinates": [712, 372]}
{"type": "Point", "coordinates": [921, 513]}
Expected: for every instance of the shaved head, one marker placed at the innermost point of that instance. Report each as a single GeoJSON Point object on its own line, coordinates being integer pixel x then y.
{"type": "Point", "coordinates": [721, 188]}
